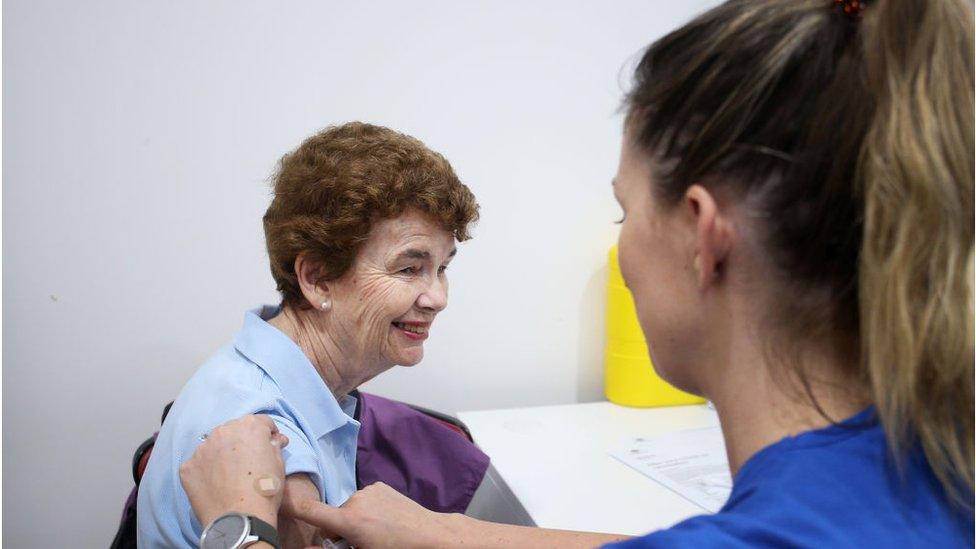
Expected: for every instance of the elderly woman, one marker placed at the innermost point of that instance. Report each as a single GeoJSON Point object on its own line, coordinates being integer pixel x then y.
{"type": "Point", "coordinates": [361, 229]}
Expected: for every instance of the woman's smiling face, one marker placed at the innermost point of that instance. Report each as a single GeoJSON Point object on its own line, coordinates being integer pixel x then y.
{"type": "Point", "coordinates": [383, 307]}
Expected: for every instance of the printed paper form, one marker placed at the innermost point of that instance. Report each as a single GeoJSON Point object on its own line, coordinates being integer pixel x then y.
{"type": "Point", "coordinates": [691, 463]}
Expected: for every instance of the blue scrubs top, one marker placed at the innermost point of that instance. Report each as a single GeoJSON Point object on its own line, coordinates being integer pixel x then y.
{"type": "Point", "coordinates": [832, 487]}
{"type": "Point", "coordinates": [262, 371]}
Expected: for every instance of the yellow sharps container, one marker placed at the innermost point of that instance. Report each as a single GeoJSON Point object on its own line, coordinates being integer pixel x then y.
{"type": "Point", "coordinates": [630, 377]}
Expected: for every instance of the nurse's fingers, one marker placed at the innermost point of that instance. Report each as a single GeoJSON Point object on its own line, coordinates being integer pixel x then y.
{"type": "Point", "coordinates": [325, 517]}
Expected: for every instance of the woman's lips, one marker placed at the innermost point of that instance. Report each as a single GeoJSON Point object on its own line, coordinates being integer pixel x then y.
{"type": "Point", "coordinates": [415, 331]}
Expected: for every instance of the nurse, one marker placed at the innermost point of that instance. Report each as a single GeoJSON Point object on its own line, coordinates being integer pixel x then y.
{"type": "Point", "coordinates": [797, 182]}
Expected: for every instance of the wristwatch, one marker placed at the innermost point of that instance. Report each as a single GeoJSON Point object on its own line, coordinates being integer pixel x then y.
{"type": "Point", "coordinates": [234, 530]}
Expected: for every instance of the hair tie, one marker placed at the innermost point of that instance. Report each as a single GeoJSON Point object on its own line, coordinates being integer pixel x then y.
{"type": "Point", "coordinates": [852, 8]}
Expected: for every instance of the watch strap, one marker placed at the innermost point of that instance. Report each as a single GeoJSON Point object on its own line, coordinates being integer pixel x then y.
{"type": "Point", "coordinates": [264, 531]}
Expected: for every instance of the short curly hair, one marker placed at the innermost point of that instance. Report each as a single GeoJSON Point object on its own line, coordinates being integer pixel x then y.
{"type": "Point", "coordinates": [331, 189]}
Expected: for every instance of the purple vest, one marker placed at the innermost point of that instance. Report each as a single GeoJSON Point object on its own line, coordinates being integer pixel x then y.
{"type": "Point", "coordinates": [416, 454]}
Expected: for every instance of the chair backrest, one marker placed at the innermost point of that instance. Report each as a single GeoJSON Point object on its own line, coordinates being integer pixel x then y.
{"type": "Point", "coordinates": [125, 536]}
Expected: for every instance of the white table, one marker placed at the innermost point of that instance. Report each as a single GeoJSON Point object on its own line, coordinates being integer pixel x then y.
{"type": "Point", "coordinates": [556, 461]}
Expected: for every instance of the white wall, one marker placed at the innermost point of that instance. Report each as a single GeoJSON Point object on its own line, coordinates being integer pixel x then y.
{"type": "Point", "coordinates": [138, 138]}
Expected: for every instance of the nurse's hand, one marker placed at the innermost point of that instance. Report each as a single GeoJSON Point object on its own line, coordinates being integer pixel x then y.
{"type": "Point", "coordinates": [238, 468]}
{"type": "Point", "coordinates": [379, 517]}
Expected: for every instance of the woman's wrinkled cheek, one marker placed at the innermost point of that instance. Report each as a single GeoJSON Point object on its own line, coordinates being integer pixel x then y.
{"type": "Point", "coordinates": [374, 299]}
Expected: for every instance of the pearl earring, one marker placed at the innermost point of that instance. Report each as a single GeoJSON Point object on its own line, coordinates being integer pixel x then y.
{"type": "Point", "coordinates": [326, 305]}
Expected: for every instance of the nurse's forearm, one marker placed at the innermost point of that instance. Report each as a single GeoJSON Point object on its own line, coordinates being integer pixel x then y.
{"type": "Point", "coordinates": [477, 534]}
{"type": "Point", "coordinates": [379, 517]}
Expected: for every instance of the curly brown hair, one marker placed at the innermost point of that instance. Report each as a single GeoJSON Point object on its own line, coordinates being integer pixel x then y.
{"type": "Point", "coordinates": [331, 189]}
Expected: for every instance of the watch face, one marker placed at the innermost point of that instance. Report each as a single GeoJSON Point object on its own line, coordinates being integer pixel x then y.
{"type": "Point", "coordinates": [225, 533]}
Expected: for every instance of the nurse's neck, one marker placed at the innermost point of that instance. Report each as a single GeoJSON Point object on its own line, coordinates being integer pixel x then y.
{"type": "Point", "coordinates": [760, 403]}
{"type": "Point", "coordinates": [340, 372]}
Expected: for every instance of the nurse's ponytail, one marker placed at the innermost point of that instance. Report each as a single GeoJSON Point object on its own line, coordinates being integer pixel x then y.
{"type": "Point", "coordinates": [849, 139]}
{"type": "Point", "coordinates": [916, 262]}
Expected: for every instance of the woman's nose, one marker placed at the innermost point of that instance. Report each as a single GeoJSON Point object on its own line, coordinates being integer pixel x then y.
{"type": "Point", "coordinates": [434, 297]}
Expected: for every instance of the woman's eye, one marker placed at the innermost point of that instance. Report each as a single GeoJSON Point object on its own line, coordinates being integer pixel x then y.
{"type": "Point", "coordinates": [442, 268]}
{"type": "Point", "coordinates": [410, 270]}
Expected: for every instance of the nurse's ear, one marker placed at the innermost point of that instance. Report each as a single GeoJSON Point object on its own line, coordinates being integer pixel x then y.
{"type": "Point", "coordinates": [315, 289]}
{"type": "Point", "coordinates": [714, 234]}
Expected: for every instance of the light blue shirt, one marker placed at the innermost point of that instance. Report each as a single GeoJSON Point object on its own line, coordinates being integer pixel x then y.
{"type": "Point", "coordinates": [262, 371]}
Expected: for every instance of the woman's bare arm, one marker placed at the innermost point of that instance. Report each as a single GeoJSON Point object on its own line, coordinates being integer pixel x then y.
{"type": "Point", "coordinates": [293, 532]}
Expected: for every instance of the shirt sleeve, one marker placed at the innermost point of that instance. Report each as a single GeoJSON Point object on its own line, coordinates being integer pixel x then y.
{"type": "Point", "coordinates": [299, 456]}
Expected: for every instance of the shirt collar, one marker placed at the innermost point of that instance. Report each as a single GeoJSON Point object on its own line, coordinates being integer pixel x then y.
{"type": "Point", "coordinates": [287, 365]}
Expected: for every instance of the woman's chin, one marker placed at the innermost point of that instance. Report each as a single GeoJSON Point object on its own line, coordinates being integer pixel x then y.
{"type": "Point", "coordinates": [411, 357]}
